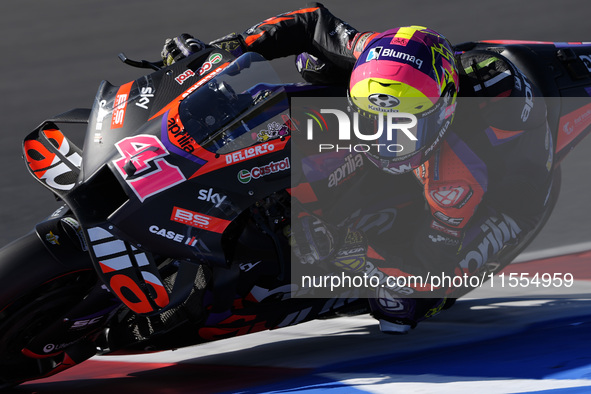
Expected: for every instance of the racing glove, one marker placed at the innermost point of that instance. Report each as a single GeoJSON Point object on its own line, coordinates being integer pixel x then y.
{"type": "Point", "coordinates": [311, 239]}
{"type": "Point", "coordinates": [315, 241]}
{"type": "Point", "coordinates": [180, 47]}
{"type": "Point", "coordinates": [316, 71]}
{"type": "Point", "coordinates": [233, 43]}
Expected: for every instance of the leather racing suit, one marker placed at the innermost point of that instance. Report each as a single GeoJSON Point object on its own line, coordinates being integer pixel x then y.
{"type": "Point", "coordinates": [481, 195]}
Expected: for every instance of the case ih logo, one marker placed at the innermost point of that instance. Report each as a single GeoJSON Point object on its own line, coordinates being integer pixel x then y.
{"type": "Point", "coordinates": [199, 220]}
{"type": "Point", "coordinates": [246, 176]}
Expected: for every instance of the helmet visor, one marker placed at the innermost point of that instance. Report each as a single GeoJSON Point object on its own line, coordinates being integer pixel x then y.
{"type": "Point", "coordinates": [398, 135]}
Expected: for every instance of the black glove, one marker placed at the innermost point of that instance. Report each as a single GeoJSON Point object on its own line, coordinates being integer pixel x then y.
{"type": "Point", "coordinates": [180, 47]}
{"type": "Point", "coordinates": [233, 43]}
{"type": "Point", "coordinates": [315, 241]}
{"type": "Point", "coordinates": [316, 71]}
{"type": "Point", "coordinates": [311, 239]}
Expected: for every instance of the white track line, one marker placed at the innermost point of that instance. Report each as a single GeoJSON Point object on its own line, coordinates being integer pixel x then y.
{"type": "Point", "coordinates": [553, 252]}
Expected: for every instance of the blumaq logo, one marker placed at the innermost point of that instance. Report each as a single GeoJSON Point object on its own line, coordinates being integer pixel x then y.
{"type": "Point", "coordinates": [245, 176]}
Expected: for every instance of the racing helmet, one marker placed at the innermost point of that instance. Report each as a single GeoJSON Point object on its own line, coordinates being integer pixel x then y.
{"type": "Point", "coordinates": [407, 70]}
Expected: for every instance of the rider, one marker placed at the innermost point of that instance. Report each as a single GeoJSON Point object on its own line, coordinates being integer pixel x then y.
{"type": "Point", "coordinates": [485, 180]}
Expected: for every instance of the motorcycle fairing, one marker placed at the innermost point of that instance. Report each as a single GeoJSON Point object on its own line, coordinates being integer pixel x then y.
{"type": "Point", "coordinates": [129, 273]}
{"type": "Point", "coordinates": [121, 111]}
{"type": "Point", "coordinates": [52, 159]}
{"type": "Point", "coordinates": [168, 181]}
{"type": "Point", "coordinates": [131, 167]}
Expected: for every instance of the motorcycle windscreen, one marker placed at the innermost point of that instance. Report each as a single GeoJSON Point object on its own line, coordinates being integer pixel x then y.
{"type": "Point", "coordinates": [221, 116]}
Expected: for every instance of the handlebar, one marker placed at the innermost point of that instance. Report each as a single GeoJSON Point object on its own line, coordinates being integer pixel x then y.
{"type": "Point", "coordinates": [142, 63]}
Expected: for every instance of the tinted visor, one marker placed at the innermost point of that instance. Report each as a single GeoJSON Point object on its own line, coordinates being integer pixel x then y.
{"type": "Point", "coordinates": [401, 135]}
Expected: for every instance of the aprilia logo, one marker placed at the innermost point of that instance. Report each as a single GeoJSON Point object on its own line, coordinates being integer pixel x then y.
{"type": "Point", "coordinates": [352, 163]}
{"type": "Point", "coordinates": [498, 233]}
{"type": "Point", "coordinates": [529, 98]}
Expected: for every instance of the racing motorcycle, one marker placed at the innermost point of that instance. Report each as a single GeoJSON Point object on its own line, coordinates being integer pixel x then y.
{"type": "Point", "coordinates": [174, 228]}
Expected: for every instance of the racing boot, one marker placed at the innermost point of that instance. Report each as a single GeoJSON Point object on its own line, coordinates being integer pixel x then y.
{"type": "Point", "coordinates": [399, 315]}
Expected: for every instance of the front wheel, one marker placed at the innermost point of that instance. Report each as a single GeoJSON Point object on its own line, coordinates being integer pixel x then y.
{"type": "Point", "coordinates": [37, 291]}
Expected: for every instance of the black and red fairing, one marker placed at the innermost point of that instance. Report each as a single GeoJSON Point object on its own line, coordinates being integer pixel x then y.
{"type": "Point", "coordinates": [163, 167]}
{"type": "Point", "coordinates": [181, 156]}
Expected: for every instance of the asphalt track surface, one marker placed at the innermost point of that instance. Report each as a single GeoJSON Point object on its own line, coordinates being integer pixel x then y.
{"type": "Point", "coordinates": [55, 53]}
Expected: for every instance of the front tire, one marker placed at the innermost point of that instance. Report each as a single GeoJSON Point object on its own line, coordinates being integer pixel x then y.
{"type": "Point", "coordinates": [37, 291]}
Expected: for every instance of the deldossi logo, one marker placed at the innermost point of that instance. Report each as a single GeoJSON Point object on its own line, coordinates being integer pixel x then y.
{"type": "Point", "coordinates": [397, 126]}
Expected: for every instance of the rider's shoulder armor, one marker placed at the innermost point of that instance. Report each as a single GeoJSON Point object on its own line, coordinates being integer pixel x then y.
{"type": "Point", "coordinates": [507, 99]}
